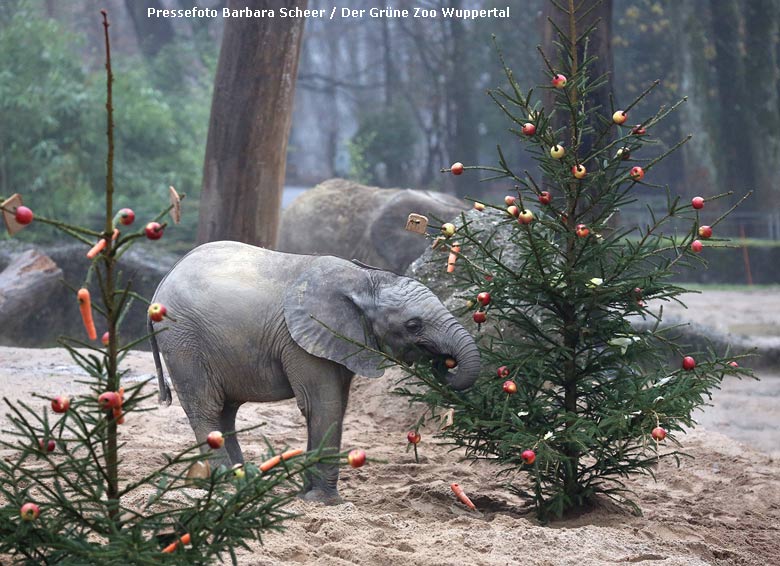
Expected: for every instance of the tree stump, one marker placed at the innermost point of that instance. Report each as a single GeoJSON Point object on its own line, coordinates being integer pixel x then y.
{"type": "Point", "coordinates": [25, 285]}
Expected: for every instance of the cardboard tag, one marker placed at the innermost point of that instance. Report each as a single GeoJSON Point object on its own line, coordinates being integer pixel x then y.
{"type": "Point", "coordinates": [9, 216]}
{"type": "Point", "coordinates": [447, 419]}
{"type": "Point", "coordinates": [417, 223]}
{"type": "Point", "coordinates": [176, 204]}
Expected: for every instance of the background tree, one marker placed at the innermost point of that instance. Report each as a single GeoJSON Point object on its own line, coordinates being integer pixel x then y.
{"type": "Point", "coordinates": [251, 113]}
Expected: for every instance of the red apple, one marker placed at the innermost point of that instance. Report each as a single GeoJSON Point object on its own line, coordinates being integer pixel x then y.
{"type": "Point", "coordinates": [529, 129]}
{"type": "Point", "coordinates": [638, 130]}
{"type": "Point", "coordinates": [479, 317]}
{"type": "Point", "coordinates": [579, 171]}
{"type": "Point", "coordinates": [154, 230]}
{"type": "Point", "coordinates": [619, 117]}
{"type": "Point", "coordinates": [658, 434]}
{"type": "Point", "coordinates": [544, 197]}
{"type": "Point", "coordinates": [479, 206]}
{"type": "Point", "coordinates": [483, 298]}
{"type": "Point", "coordinates": [509, 199]}
{"type": "Point", "coordinates": [513, 211]}
{"type": "Point", "coordinates": [637, 173]}
{"type": "Point", "coordinates": [413, 437]}
{"type": "Point", "coordinates": [48, 445]}
{"type": "Point", "coordinates": [356, 457]}
{"type": "Point", "coordinates": [215, 440]}
{"type": "Point", "coordinates": [450, 363]}
{"type": "Point", "coordinates": [509, 387]}
{"type": "Point", "coordinates": [105, 338]}
{"type": "Point", "coordinates": [638, 292]}
{"type": "Point", "coordinates": [126, 216]}
{"type": "Point", "coordinates": [697, 203]}
{"type": "Point", "coordinates": [60, 404]}
{"type": "Point", "coordinates": [734, 364]}
{"type": "Point", "coordinates": [688, 363]}
{"type": "Point", "coordinates": [528, 456]}
{"type": "Point", "coordinates": [697, 246]}
{"type": "Point", "coordinates": [157, 312]}
{"type": "Point", "coordinates": [503, 372]}
{"type": "Point", "coordinates": [525, 217]}
{"type": "Point", "coordinates": [582, 231]}
{"type": "Point", "coordinates": [623, 153]}
{"type": "Point", "coordinates": [559, 81]}
{"type": "Point", "coordinates": [110, 400]}
{"type": "Point", "coordinates": [705, 232]}
{"type": "Point", "coordinates": [29, 512]}
{"type": "Point", "coordinates": [23, 215]}
{"type": "Point", "coordinates": [457, 168]}
{"type": "Point", "coordinates": [557, 151]}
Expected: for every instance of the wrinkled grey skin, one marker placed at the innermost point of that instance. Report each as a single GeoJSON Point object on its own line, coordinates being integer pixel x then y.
{"type": "Point", "coordinates": [353, 221]}
{"type": "Point", "coordinates": [246, 330]}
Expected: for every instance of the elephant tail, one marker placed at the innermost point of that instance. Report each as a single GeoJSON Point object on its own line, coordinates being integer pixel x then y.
{"type": "Point", "coordinates": [165, 391]}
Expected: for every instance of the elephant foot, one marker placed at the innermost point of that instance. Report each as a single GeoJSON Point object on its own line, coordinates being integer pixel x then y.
{"type": "Point", "coordinates": [318, 495]}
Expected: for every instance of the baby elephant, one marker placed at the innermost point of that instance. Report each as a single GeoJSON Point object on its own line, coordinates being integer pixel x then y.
{"type": "Point", "coordinates": [256, 325]}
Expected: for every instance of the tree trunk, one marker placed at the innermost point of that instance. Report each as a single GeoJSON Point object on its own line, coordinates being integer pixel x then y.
{"type": "Point", "coordinates": [462, 142]}
{"type": "Point", "coordinates": [251, 113]}
{"type": "Point", "coordinates": [736, 170]}
{"type": "Point", "coordinates": [701, 175]}
{"type": "Point", "coordinates": [153, 33]}
{"type": "Point", "coordinates": [761, 99]}
{"type": "Point", "coordinates": [599, 45]}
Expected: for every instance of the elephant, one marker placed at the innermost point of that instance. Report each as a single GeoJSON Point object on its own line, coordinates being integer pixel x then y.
{"type": "Point", "coordinates": [249, 324]}
{"type": "Point", "coordinates": [353, 221]}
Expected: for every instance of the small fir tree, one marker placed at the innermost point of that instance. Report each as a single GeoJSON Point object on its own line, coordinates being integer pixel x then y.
{"type": "Point", "coordinates": [63, 498]}
{"type": "Point", "coordinates": [573, 395]}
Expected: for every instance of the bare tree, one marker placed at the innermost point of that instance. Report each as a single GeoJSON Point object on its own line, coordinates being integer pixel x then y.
{"type": "Point", "coordinates": [251, 113]}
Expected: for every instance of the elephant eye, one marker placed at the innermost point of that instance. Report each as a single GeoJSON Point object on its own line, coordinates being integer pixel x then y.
{"type": "Point", "coordinates": [413, 325]}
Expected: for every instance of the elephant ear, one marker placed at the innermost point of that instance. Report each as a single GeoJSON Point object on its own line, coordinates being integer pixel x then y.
{"type": "Point", "coordinates": [324, 315]}
{"type": "Point", "coordinates": [397, 246]}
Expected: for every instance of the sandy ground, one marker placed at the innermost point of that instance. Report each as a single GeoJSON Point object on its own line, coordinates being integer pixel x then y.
{"type": "Point", "coordinates": [721, 507]}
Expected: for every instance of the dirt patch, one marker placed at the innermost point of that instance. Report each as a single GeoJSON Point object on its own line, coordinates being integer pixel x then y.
{"type": "Point", "coordinates": [722, 507]}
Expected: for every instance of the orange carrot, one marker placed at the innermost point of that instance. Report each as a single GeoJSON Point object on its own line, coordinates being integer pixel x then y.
{"type": "Point", "coordinates": [185, 539]}
{"type": "Point", "coordinates": [96, 249]}
{"type": "Point", "coordinates": [454, 251]}
{"type": "Point", "coordinates": [85, 305]}
{"type": "Point", "coordinates": [120, 418]}
{"type": "Point", "coordinates": [270, 463]}
{"type": "Point", "coordinates": [458, 491]}
{"type": "Point", "coordinates": [274, 460]}
{"type": "Point", "coordinates": [115, 235]}
{"type": "Point", "coordinates": [292, 453]}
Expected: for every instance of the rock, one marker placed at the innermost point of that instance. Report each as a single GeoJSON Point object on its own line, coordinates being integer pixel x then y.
{"type": "Point", "coordinates": [53, 309]}
{"type": "Point", "coordinates": [29, 277]}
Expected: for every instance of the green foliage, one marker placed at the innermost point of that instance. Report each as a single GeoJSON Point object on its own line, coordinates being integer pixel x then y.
{"type": "Point", "coordinates": [383, 146]}
{"type": "Point", "coordinates": [51, 127]}
{"type": "Point", "coordinates": [591, 382]}
{"type": "Point", "coordinates": [92, 511]}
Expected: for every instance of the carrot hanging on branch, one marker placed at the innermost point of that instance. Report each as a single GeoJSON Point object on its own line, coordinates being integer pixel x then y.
{"type": "Point", "coordinates": [458, 491]}
{"type": "Point", "coordinates": [85, 306]}
{"type": "Point", "coordinates": [97, 248]}
{"type": "Point", "coordinates": [275, 460]}
{"type": "Point", "coordinates": [454, 251]}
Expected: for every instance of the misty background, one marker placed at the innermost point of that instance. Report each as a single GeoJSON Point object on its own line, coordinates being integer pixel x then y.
{"type": "Point", "coordinates": [386, 102]}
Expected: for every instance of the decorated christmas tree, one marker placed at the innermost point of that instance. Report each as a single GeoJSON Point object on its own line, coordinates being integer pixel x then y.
{"type": "Point", "coordinates": [582, 385]}
{"type": "Point", "coordinates": [64, 498]}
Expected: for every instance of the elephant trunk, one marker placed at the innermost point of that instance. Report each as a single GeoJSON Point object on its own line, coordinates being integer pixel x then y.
{"type": "Point", "coordinates": [461, 346]}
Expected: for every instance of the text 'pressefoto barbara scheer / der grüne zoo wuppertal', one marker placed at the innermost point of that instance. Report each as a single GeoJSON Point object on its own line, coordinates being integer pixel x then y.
{"type": "Point", "coordinates": [331, 13]}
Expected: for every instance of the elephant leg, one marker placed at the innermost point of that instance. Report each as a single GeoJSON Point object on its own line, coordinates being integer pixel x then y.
{"type": "Point", "coordinates": [202, 402]}
{"type": "Point", "coordinates": [227, 424]}
{"type": "Point", "coordinates": [322, 390]}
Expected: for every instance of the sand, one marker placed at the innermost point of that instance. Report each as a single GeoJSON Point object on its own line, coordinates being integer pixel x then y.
{"type": "Point", "coordinates": [721, 507]}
